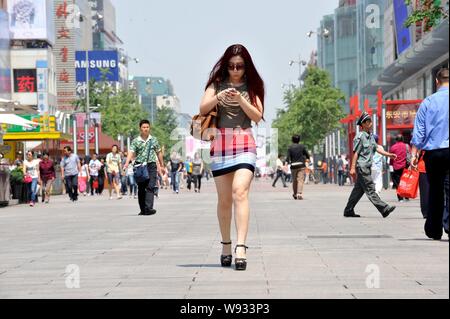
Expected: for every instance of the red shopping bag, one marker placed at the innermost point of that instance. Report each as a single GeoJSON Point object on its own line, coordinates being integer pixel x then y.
{"type": "Point", "coordinates": [82, 184]}
{"type": "Point", "coordinates": [95, 184]}
{"type": "Point", "coordinates": [409, 184]}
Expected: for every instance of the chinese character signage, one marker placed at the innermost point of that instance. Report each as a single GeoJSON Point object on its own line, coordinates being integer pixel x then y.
{"type": "Point", "coordinates": [31, 20]}
{"type": "Point", "coordinates": [42, 86]}
{"type": "Point", "coordinates": [401, 115]}
{"type": "Point", "coordinates": [25, 81]}
{"type": "Point", "coordinates": [103, 65]}
{"type": "Point", "coordinates": [65, 54]}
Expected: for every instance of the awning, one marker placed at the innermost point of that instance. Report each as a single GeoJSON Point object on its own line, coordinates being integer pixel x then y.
{"type": "Point", "coordinates": [5, 101]}
{"type": "Point", "coordinates": [433, 46]}
{"type": "Point", "coordinates": [12, 119]}
{"type": "Point", "coordinates": [35, 136]}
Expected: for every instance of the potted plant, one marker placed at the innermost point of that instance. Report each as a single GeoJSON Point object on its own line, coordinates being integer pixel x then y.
{"type": "Point", "coordinates": [18, 188]}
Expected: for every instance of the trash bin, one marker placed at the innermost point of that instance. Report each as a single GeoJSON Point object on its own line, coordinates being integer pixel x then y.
{"type": "Point", "coordinates": [58, 185]}
{"type": "Point", "coordinates": [5, 193]}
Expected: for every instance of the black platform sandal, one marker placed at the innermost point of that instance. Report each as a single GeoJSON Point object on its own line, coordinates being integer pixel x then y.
{"type": "Point", "coordinates": [226, 261]}
{"type": "Point", "coordinates": [240, 263]}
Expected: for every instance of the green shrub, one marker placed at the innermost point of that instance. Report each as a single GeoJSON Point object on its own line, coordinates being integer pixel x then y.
{"type": "Point", "coordinates": [17, 176]}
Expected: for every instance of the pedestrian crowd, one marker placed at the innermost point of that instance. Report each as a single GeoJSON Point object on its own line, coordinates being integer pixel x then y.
{"type": "Point", "coordinates": [235, 91]}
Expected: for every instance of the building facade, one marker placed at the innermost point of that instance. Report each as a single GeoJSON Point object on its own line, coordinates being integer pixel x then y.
{"type": "Point", "coordinates": [32, 62]}
{"type": "Point", "coordinates": [155, 92]}
{"type": "Point", "coordinates": [412, 58]}
{"type": "Point", "coordinates": [370, 40]}
{"type": "Point", "coordinates": [5, 64]}
{"type": "Point", "coordinates": [105, 33]}
{"type": "Point", "coordinates": [337, 52]}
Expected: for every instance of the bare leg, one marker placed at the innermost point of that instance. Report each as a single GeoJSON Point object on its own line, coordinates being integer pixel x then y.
{"type": "Point", "coordinates": [224, 208]}
{"type": "Point", "coordinates": [241, 187]}
{"type": "Point", "coordinates": [117, 188]}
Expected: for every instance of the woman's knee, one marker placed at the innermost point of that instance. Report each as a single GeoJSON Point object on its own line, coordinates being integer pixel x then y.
{"type": "Point", "coordinates": [240, 194]}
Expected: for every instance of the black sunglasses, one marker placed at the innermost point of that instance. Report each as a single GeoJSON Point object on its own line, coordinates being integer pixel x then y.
{"type": "Point", "coordinates": [237, 67]}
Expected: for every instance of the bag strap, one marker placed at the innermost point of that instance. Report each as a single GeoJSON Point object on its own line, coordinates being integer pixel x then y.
{"type": "Point", "coordinates": [216, 88]}
{"type": "Point", "coordinates": [149, 149]}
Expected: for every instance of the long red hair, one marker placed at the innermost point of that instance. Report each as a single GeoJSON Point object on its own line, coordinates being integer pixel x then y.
{"type": "Point", "coordinates": [254, 81]}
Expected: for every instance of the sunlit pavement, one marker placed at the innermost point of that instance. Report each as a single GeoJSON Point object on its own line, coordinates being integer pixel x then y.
{"type": "Point", "coordinates": [101, 248]}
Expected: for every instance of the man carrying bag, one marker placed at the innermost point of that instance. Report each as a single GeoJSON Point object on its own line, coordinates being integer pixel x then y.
{"type": "Point", "coordinates": [147, 151]}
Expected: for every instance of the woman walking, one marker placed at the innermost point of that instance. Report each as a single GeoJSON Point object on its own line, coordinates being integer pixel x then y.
{"type": "Point", "coordinates": [47, 176]}
{"type": "Point", "coordinates": [31, 174]}
{"type": "Point", "coordinates": [197, 172]}
{"type": "Point", "coordinates": [131, 182]}
{"type": "Point", "coordinates": [176, 168]}
{"type": "Point", "coordinates": [237, 90]}
{"type": "Point", "coordinates": [94, 167]}
{"type": "Point", "coordinates": [83, 177]}
{"type": "Point", "coordinates": [101, 176]}
{"type": "Point", "coordinates": [113, 163]}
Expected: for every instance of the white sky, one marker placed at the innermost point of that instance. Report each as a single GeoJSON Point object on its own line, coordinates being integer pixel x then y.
{"type": "Point", "coordinates": [182, 40]}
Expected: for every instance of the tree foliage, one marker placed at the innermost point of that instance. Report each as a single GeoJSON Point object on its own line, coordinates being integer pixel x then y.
{"type": "Point", "coordinates": [312, 111]}
{"type": "Point", "coordinates": [121, 113]}
{"type": "Point", "coordinates": [430, 12]}
{"type": "Point", "coordinates": [120, 109]}
{"type": "Point", "coordinates": [165, 123]}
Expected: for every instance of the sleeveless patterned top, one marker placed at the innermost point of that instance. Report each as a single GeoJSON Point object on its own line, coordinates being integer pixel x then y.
{"type": "Point", "coordinates": [231, 115]}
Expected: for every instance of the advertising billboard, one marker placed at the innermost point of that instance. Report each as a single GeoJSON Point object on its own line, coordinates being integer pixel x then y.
{"type": "Point", "coordinates": [103, 65]}
{"type": "Point", "coordinates": [46, 124]}
{"type": "Point", "coordinates": [403, 34]}
{"type": "Point", "coordinates": [5, 64]}
{"type": "Point", "coordinates": [31, 20]}
{"type": "Point", "coordinates": [25, 81]}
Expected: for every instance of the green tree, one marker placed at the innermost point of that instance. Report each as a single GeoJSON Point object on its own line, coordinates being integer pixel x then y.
{"type": "Point", "coordinates": [312, 111]}
{"type": "Point", "coordinates": [121, 114]}
{"type": "Point", "coordinates": [165, 123]}
{"type": "Point", "coordinates": [430, 12]}
{"type": "Point", "coordinates": [120, 109]}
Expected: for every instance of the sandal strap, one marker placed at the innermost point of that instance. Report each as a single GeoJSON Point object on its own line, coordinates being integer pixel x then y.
{"type": "Point", "coordinates": [240, 246]}
{"type": "Point", "coordinates": [224, 243]}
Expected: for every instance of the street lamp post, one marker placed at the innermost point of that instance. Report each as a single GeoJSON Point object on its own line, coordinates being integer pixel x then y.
{"type": "Point", "coordinates": [96, 138]}
{"type": "Point", "coordinates": [325, 33]}
{"type": "Point", "coordinates": [75, 138]}
{"type": "Point", "coordinates": [300, 63]}
{"type": "Point", "coordinates": [386, 180]}
{"type": "Point", "coordinates": [149, 83]}
{"type": "Point", "coordinates": [86, 120]}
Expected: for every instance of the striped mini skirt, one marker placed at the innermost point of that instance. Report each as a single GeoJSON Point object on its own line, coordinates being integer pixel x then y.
{"type": "Point", "coordinates": [231, 150]}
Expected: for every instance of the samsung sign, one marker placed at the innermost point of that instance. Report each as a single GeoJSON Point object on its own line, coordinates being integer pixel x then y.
{"type": "Point", "coordinates": [103, 66]}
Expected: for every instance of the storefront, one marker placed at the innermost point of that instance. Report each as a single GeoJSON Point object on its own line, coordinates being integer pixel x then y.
{"type": "Point", "coordinates": [399, 118]}
{"type": "Point", "coordinates": [46, 132]}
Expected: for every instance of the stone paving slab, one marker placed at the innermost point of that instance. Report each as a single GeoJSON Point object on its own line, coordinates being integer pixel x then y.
{"type": "Point", "coordinates": [298, 249]}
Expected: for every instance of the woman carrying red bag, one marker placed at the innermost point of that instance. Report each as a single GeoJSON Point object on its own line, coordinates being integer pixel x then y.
{"type": "Point", "coordinates": [409, 184]}
{"type": "Point", "coordinates": [424, 186]}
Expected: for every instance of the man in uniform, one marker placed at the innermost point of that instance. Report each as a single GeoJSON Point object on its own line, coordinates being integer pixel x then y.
{"type": "Point", "coordinates": [364, 149]}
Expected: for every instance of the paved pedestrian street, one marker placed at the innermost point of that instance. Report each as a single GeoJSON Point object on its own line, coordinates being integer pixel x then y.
{"type": "Point", "coordinates": [101, 248]}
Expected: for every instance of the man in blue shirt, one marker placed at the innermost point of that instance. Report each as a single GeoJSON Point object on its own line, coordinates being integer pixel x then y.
{"type": "Point", "coordinates": [431, 134]}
